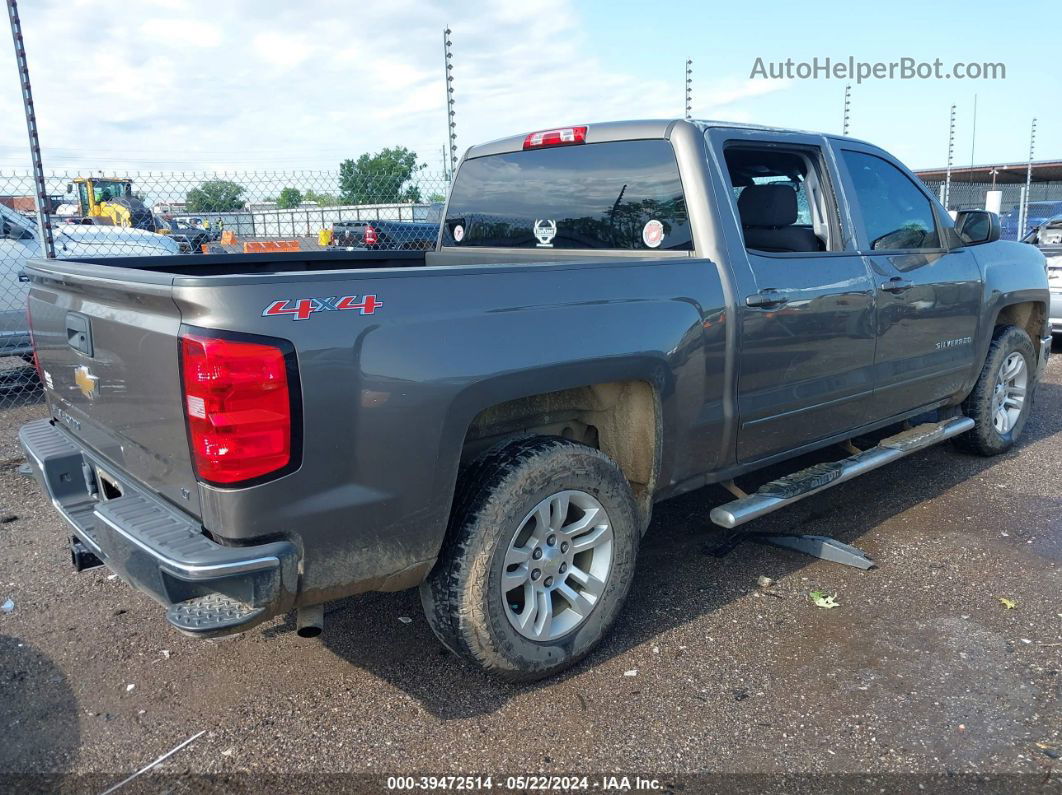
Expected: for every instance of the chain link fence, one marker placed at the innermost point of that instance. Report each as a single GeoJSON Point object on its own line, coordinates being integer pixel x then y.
{"type": "Point", "coordinates": [1045, 201]}
{"type": "Point", "coordinates": [122, 214]}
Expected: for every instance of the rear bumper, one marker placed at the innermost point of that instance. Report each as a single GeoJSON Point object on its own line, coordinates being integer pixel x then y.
{"type": "Point", "coordinates": [209, 589]}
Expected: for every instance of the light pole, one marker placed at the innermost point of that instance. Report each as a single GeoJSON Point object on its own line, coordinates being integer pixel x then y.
{"type": "Point", "coordinates": [451, 126]}
{"type": "Point", "coordinates": [689, 88]}
{"type": "Point", "coordinates": [847, 108]}
{"type": "Point", "coordinates": [951, 154]}
{"type": "Point", "coordinates": [40, 190]}
{"type": "Point", "coordinates": [1023, 215]}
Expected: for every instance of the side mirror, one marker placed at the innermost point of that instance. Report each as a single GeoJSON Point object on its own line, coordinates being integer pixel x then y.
{"type": "Point", "coordinates": [977, 226]}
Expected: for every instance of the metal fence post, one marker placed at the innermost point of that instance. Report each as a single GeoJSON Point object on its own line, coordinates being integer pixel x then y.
{"type": "Point", "coordinates": [1024, 215]}
{"type": "Point", "coordinates": [40, 189]}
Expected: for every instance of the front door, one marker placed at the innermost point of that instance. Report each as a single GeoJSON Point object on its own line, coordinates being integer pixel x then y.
{"type": "Point", "coordinates": [928, 293]}
{"type": "Point", "coordinates": [807, 318]}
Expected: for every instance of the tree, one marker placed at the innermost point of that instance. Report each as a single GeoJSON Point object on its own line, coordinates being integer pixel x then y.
{"type": "Point", "coordinates": [437, 198]}
{"type": "Point", "coordinates": [381, 178]}
{"type": "Point", "coordinates": [289, 199]}
{"type": "Point", "coordinates": [320, 199]}
{"type": "Point", "coordinates": [215, 196]}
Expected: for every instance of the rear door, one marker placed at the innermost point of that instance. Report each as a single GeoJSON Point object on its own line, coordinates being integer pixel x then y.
{"type": "Point", "coordinates": [806, 304]}
{"type": "Point", "coordinates": [928, 287]}
{"type": "Point", "coordinates": [108, 352]}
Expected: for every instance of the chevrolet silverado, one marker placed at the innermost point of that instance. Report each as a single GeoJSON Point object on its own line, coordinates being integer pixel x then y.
{"type": "Point", "coordinates": [613, 314]}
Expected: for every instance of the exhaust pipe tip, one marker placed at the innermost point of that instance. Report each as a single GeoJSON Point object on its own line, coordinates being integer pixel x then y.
{"type": "Point", "coordinates": [309, 621]}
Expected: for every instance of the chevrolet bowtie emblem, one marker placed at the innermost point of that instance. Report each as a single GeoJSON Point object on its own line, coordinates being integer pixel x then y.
{"type": "Point", "coordinates": [86, 382]}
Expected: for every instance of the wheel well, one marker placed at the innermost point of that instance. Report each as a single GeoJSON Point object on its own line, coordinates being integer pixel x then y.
{"type": "Point", "coordinates": [1028, 316]}
{"type": "Point", "coordinates": [620, 418]}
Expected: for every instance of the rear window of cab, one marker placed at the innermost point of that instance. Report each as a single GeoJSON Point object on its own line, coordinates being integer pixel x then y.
{"type": "Point", "coordinates": [615, 195]}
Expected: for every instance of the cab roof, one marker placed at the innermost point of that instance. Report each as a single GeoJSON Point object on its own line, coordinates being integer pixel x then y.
{"type": "Point", "coordinates": [638, 129]}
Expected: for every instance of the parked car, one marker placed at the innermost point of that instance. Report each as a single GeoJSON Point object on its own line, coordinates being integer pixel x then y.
{"type": "Point", "coordinates": [614, 314]}
{"type": "Point", "coordinates": [20, 241]}
{"type": "Point", "coordinates": [1038, 212]}
{"type": "Point", "coordinates": [384, 235]}
{"type": "Point", "coordinates": [191, 239]}
{"type": "Point", "coordinates": [1048, 238]}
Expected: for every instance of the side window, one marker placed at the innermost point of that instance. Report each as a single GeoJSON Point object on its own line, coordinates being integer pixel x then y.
{"type": "Point", "coordinates": [781, 199]}
{"type": "Point", "coordinates": [896, 214]}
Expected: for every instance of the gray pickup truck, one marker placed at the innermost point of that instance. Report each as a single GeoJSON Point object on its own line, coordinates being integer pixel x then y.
{"type": "Point", "coordinates": [613, 314]}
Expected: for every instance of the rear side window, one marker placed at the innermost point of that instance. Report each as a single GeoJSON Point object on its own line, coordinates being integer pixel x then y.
{"type": "Point", "coordinates": [618, 195]}
{"type": "Point", "coordinates": [896, 214]}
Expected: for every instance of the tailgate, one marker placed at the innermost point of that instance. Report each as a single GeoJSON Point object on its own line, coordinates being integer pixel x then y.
{"type": "Point", "coordinates": [108, 351]}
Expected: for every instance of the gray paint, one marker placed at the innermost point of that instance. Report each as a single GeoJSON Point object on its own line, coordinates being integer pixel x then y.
{"type": "Point", "coordinates": [388, 398]}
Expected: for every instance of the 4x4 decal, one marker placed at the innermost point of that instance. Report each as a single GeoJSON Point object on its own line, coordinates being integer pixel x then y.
{"type": "Point", "coordinates": [302, 308]}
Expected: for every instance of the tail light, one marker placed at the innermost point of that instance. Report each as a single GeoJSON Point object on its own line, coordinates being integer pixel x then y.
{"type": "Point", "coordinates": [239, 406]}
{"type": "Point", "coordinates": [370, 237]}
{"type": "Point", "coordinates": [562, 136]}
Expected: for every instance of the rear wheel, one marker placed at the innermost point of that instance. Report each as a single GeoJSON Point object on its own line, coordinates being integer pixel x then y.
{"type": "Point", "coordinates": [538, 558]}
{"type": "Point", "coordinates": [1000, 400]}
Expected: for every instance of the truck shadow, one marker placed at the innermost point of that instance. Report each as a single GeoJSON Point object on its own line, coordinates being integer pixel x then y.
{"type": "Point", "coordinates": [39, 715]}
{"type": "Point", "coordinates": [677, 579]}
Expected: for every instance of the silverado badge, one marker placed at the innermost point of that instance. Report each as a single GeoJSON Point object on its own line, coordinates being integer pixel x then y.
{"type": "Point", "coordinates": [86, 381]}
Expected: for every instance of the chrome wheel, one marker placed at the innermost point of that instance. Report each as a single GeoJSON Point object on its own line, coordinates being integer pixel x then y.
{"type": "Point", "coordinates": [556, 565]}
{"type": "Point", "coordinates": [1008, 398]}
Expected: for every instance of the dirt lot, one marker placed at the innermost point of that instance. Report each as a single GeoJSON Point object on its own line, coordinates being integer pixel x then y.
{"type": "Point", "coordinates": [921, 669]}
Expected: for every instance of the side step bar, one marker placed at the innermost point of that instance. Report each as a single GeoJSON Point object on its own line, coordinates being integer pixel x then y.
{"type": "Point", "coordinates": [787, 490]}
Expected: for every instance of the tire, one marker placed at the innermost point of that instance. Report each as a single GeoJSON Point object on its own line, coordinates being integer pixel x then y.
{"type": "Point", "coordinates": [987, 437]}
{"type": "Point", "coordinates": [495, 506]}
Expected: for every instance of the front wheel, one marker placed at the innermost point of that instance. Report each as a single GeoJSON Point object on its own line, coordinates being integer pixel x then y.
{"type": "Point", "coordinates": [538, 558]}
{"type": "Point", "coordinates": [1000, 401]}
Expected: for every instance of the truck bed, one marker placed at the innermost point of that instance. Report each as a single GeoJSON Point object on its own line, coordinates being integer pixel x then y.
{"type": "Point", "coordinates": [278, 262]}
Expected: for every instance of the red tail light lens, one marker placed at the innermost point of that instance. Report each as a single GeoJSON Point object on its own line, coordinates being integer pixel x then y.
{"type": "Point", "coordinates": [238, 405]}
{"type": "Point", "coordinates": [371, 238]}
{"type": "Point", "coordinates": [562, 136]}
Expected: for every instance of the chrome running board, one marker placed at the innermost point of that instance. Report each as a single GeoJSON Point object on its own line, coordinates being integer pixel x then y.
{"type": "Point", "coordinates": [787, 490]}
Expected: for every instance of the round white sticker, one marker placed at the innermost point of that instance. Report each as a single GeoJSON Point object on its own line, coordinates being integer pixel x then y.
{"type": "Point", "coordinates": [653, 233]}
{"type": "Point", "coordinates": [459, 233]}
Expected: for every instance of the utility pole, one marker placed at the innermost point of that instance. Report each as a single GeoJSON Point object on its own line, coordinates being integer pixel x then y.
{"type": "Point", "coordinates": [1023, 215]}
{"type": "Point", "coordinates": [689, 88]}
{"type": "Point", "coordinates": [451, 127]}
{"type": "Point", "coordinates": [847, 108]}
{"type": "Point", "coordinates": [41, 191]}
{"type": "Point", "coordinates": [951, 154]}
{"type": "Point", "coordinates": [973, 137]}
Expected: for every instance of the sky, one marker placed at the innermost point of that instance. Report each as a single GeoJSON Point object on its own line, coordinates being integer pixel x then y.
{"type": "Point", "coordinates": [241, 85]}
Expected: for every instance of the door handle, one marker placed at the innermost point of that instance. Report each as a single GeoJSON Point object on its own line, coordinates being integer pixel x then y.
{"type": "Point", "coordinates": [766, 299]}
{"type": "Point", "coordinates": [897, 285]}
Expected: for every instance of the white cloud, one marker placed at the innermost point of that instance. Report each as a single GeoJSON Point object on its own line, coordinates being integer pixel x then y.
{"type": "Point", "coordinates": [728, 92]}
{"type": "Point", "coordinates": [282, 49]}
{"type": "Point", "coordinates": [263, 84]}
{"type": "Point", "coordinates": [181, 32]}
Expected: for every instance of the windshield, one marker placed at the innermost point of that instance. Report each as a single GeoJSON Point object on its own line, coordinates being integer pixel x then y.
{"type": "Point", "coordinates": [106, 190]}
{"type": "Point", "coordinates": [617, 195]}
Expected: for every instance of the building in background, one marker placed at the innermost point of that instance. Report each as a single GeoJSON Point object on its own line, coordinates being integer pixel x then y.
{"type": "Point", "coordinates": [970, 187]}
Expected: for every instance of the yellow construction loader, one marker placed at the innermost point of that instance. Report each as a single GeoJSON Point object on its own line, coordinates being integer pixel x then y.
{"type": "Point", "coordinates": [110, 200]}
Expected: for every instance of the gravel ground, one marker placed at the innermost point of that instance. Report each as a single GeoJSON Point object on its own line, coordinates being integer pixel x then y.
{"type": "Point", "coordinates": [920, 670]}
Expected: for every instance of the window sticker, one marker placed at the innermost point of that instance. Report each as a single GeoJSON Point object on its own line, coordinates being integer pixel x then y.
{"type": "Point", "coordinates": [653, 233]}
{"type": "Point", "coordinates": [545, 231]}
{"type": "Point", "coordinates": [459, 233]}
